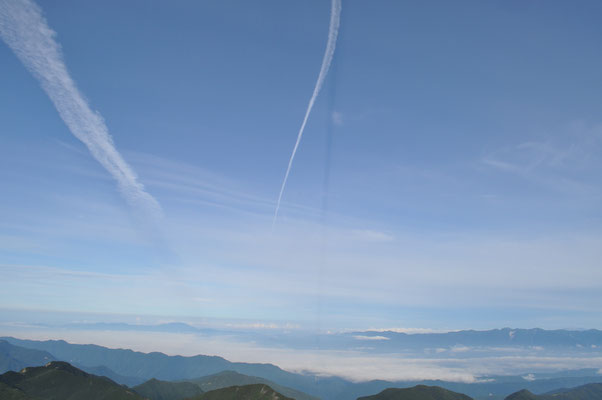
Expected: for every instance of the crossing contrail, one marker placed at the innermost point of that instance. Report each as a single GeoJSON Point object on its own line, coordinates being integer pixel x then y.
{"type": "Point", "coordinates": [26, 32]}
{"type": "Point", "coordinates": [333, 31]}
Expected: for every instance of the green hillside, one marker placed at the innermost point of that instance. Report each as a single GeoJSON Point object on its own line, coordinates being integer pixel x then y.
{"type": "Point", "coordinates": [61, 381]}
{"type": "Point", "coordinates": [10, 393]}
{"type": "Point", "coordinates": [232, 378]}
{"type": "Point", "coordinates": [160, 390]}
{"type": "Point", "coordinates": [592, 391]}
{"type": "Point", "coordinates": [246, 392]}
{"type": "Point", "coordinates": [419, 392]}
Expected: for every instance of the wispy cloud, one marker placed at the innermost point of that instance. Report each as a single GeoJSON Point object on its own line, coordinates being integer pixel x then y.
{"type": "Point", "coordinates": [561, 161]}
{"type": "Point", "coordinates": [333, 31]}
{"type": "Point", "coordinates": [184, 183]}
{"type": "Point", "coordinates": [337, 118]}
{"type": "Point", "coordinates": [26, 32]}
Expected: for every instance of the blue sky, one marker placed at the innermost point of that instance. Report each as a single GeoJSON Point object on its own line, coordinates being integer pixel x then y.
{"type": "Point", "coordinates": [449, 176]}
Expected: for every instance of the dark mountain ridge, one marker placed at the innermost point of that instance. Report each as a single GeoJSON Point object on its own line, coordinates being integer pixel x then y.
{"type": "Point", "coordinates": [246, 392]}
{"type": "Point", "coordinates": [418, 392]}
{"type": "Point", "coordinates": [231, 378]}
{"type": "Point", "coordinates": [59, 380]}
{"type": "Point", "coordinates": [155, 389]}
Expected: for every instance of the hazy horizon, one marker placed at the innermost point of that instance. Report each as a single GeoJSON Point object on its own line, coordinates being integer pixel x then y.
{"type": "Point", "coordinates": [350, 354]}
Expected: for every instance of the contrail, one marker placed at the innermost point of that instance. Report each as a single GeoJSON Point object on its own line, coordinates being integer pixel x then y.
{"type": "Point", "coordinates": [333, 31]}
{"type": "Point", "coordinates": [26, 32]}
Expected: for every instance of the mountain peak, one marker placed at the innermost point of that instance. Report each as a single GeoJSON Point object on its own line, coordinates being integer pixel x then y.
{"type": "Point", "coordinates": [256, 391]}
{"type": "Point", "coordinates": [522, 395]}
{"type": "Point", "coordinates": [419, 392]}
{"type": "Point", "coordinates": [66, 367]}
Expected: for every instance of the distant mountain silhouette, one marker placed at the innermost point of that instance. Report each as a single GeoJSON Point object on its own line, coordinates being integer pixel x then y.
{"type": "Point", "coordinates": [171, 327]}
{"type": "Point", "coordinates": [550, 339]}
{"type": "Point", "coordinates": [15, 358]}
{"type": "Point", "coordinates": [592, 391]}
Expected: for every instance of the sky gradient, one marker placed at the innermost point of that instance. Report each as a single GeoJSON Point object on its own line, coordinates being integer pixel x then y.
{"type": "Point", "coordinates": [449, 176]}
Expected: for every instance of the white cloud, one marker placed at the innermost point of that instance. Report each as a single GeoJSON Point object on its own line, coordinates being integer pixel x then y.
{"type": "Point", "coordinates": [560, 161]}
{"type": "Point", "coordinates": [363, 337]}
{"type": "Point", "coordinates": [459, 349]}
{"type": "Point", "coordinates": [529, 377]}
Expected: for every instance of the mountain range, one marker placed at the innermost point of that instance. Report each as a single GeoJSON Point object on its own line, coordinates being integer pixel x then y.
{"type": "Point", "coordinates": [58, 380]}
{"type": "Point", "coordinates": [505, 337]}
{"type": "Point", "coordinates": [133, 368]}
{"type": "Point", "coordinates": [592, 391]}
{"type": "Point", "coordinates": [382, 341]}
